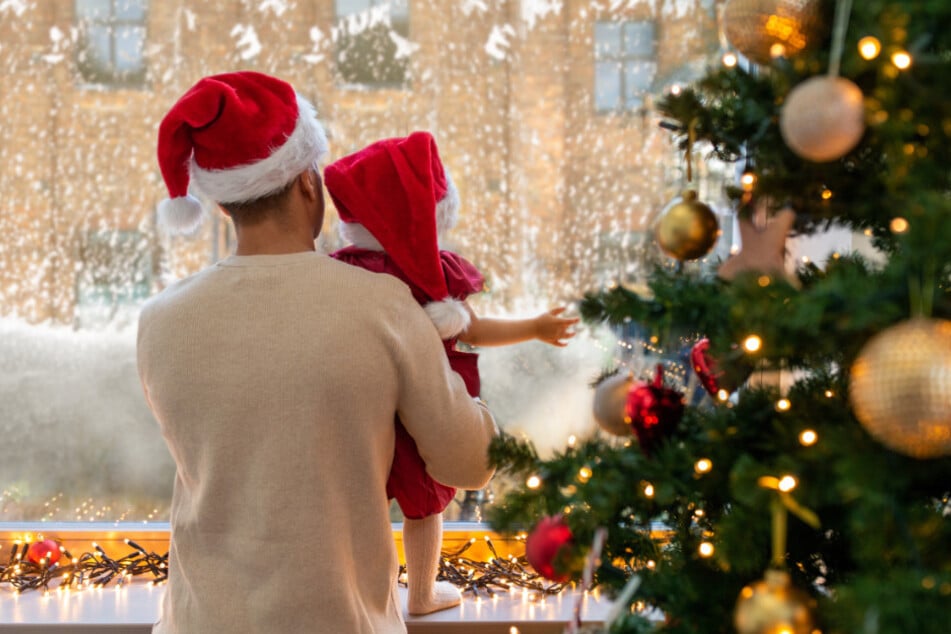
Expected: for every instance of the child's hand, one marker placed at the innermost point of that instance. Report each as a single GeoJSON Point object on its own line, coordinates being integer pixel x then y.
{"type": "Point", "coordinates": [551, 328]}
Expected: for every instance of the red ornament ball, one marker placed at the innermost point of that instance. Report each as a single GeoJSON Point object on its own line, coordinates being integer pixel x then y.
{"type": "Point", "coordinates": [546, 544]}
{"type": "Point", "coordinates": [47, 549]}
{"type": "Point", "coordinates": [653, 411]}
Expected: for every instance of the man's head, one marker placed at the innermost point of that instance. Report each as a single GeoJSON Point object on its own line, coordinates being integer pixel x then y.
{"type": "Point", "coordinates": [241, 139]}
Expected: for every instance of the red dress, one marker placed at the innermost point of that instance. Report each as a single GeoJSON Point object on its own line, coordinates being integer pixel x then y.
{"type": "Point", "coordinates": [415, 491]}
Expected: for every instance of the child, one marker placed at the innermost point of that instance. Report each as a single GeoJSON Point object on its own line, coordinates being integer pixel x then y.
{"type": "Point", "coordinates": [394, 199]}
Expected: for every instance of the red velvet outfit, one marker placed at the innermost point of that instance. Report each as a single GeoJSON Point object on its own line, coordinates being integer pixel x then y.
{"type": "Point", "coordinates": [415, 491]}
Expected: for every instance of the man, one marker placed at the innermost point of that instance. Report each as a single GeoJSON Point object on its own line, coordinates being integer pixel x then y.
{"type": "Point", "coordinates": [275, 376]}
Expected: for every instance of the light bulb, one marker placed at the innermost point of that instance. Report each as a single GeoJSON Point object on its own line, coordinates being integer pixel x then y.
{"type": "Point", "coordinates": [869, 47]}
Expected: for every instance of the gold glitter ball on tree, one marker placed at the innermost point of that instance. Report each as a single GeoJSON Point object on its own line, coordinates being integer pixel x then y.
{"type": "Point", "coordinates": [687, 228]}
{"type": "Point", "coordinates": [773, 606]}
{"type": "Point", "coordinates": [901, 387]}
{"type": "Point", "coordinates": [764, 29]}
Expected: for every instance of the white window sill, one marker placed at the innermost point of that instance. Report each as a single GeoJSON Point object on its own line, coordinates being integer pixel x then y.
{"type": "Point", "coordinates": [131, 609]}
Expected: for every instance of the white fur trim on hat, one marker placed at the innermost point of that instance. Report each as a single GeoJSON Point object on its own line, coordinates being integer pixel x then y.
{"type": "Point", "coordinates": [447, 208]}
{"type": "Point", "coordinates": [359, 236]}
{"type": "Point", "coordinates": [304, 148]}
{"type": "Point", "coordinates": [182, 215]}
{"type": "Point", "coordinates": [450, 317]}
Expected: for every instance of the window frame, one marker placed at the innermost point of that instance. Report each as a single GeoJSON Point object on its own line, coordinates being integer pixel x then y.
{"type": "Point", "coordinates": [108, 75]}
{"type": "Point", "coordinates": [623, 59]}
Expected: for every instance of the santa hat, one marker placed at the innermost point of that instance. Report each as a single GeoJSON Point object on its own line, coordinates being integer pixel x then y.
{"type": "Point", "coordinates": [234, 137]}
{"type": "Point", "coordinates": [398, 191]}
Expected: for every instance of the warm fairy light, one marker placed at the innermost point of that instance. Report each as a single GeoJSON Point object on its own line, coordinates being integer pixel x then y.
{"type": "Point", "coordinates": [752, 343]}
{"type": "Point", "coordinates": [730, 59]}
{"type": "Point", "coordinates": [705, 549]}
{"type": "Point", "coordinates": [805, 259]}
{"type": "Point", "coordinates": [787, 483]}
{"type": "Point", "coordinates": [572, 440]}
{"type": "Point", "coordinates": [533, 482]}
{"type": "Point", "coordinates": [704, 465]}
{"type": "Point", "coordinates": [734, 249]}
{"type": "Point", "coordinates": [698, 513]}
{"type": "Point", "coordinates": [868, 233]}
{"type": "Point", "coordinates": [783, 405]}
{"type": "Point", "coordinates": [901, 60]}
{"type": "Point", "coordinates": [764, 281]}
{"type": "Point", "coordinates": [869, 47]}
{"type": "Point", "coordinates": [675, 89]}
{"type": "Point", "coordinates": [651, 564]}
{"type": "Point", "coordinates": [584, 474]}
{"type": "Point", "coordinates": [723, 394]}
{"type": "Point", "coordinates": [649, 490]}
{"type": "Point", "coordinates": [826, 193]}
{"type": "Point", "coordinates": [777, 50]}
{"type": "Point", "coordinates": [748, 181]}
{"type": "Point", "coordinates": [808, 437]}
{"type": "Point", "coordinates": [829, 393]}
{"type": "Point", "coordinates": [898, 225]}
{"type": "Point", "coordinates": [513, 630]}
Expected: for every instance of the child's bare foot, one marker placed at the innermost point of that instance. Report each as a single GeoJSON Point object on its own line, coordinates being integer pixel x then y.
{"type": "Point", "coordinates": [443, 596]}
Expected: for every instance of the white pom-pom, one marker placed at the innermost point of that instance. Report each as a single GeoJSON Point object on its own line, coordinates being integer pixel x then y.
{"type": "Point", "coordinates": [181, 215]}
{"type": "Point", "coordinates": [450, 317]}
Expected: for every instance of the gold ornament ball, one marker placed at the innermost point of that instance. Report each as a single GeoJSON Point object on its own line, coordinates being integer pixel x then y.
{"type": "Point", "coordinates": [610, 396]}
{"type": "Point", "coordinates": [773, 606]}
{"type": "Point", "coordinates": [823, 118]}
{"type": "Point", "coordinates": [687, 228]}
{"type": "Point", "coordinates": [900, 387]}
{"type": "Point", "coordinates": [763, 29]}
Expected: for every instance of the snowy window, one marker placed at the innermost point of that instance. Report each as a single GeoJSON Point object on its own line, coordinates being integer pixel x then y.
{"type": "Point", "coordinates": [114, 277]}
{"type": "Point", "coordinates": [368, 34]}
{"type": "Point", "coordinates": [112, 41]}
{"type": "Point", "coordinates": [625, 64]}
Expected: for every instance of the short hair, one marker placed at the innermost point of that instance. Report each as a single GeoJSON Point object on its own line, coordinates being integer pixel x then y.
{"type": "Point", "coordinates": [251, 212]}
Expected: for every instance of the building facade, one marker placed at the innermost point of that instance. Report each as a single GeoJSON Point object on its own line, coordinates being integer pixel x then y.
{"type": "Point", "coordinates": [542, 110]}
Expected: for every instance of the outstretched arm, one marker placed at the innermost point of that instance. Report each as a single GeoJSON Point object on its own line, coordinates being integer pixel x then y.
{"type": "Point", "coordinates": [549, 327]}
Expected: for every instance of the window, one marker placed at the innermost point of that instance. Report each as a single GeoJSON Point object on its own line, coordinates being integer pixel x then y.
{"type": "Point", "coordinates": [112, 41]}
{"type": "Point", "coordinates": [114, 277]}
{"type": "Point", "coordinates": [625, 64]}
{"type": "Point", "coordinates": [371, 42]}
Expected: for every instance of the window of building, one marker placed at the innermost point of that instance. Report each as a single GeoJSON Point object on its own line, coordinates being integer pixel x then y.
{"type": "Point", "coordinates": [112, 41]}
{"type": "Point", "coordinates": [114, 277]}
{"type": "Point", "coordinates": [371, 42]}
{"type": "Point", "coordinates": [625, 64]}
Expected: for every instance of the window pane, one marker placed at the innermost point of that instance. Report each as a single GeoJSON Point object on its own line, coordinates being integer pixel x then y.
{"type": "Point", "coordinates": [130, 42]}
{"type": "Point", "coordinates": [607, 85]}
{"type": "Point", "coordinates": [93, 9]}
{"type": "Point", "coordinates": [95, 57]}
{"type": "Point", "coordinates": [131, 9]}
{"type": "Point", "coordinates": [347, 7]}
{"type": "Point", "coordinates": [639, 39]}
{"type": "Point", "coordinates": [638, 77]}
{"type": "Point", "coordinates": [607, 39]}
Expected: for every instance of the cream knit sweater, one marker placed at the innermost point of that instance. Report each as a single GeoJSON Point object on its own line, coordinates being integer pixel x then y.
{"type": "Point", "coordinates": [275, 380]}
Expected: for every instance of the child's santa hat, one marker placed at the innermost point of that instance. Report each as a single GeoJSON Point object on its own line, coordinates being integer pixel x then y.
{"type": "Point", "coordinates": [399, 192]}
{"type": "Point", "coordinates": [234, 137]}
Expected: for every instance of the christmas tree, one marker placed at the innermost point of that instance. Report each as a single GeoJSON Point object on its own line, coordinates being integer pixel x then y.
{"type": "Point", "coordinates": [818, 502]}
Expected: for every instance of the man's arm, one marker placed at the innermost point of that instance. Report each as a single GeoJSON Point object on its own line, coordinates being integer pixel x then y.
{"type": "Point", "coordinates": [451, 429]}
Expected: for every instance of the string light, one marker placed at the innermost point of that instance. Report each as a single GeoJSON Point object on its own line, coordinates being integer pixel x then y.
{"type": "Point", "coordinates": [752, 343]}
{"type": "Point", "coordinates": [764, 281]}
{"type": "Point", "coordinates": [723, 394]}
{"type": "Point", "coordinates": [783, 405]}
{"type": "Point", "coordinates": [584, 474]}
{"type": "Point", "coordinates": [777, 50]}
{"type": "Point", "coordinates": [898, 225]}
{"type": "Point", "coordinates": [705, 549]}
{"type": "Point", "coordinates": [901, 60]}
{"type": "Point", "coordinates": [826, 193]}
{"type": "Point", "coordinates": [730, 59]}
{"type": "Point", "coordinates": [869, 47]}
{"type": "Point", "coordinates": [675, 89]}
{"type": "Point", "coordinates": [533, 482]}
{"type": "Point", "coordinates": [648, 489]}
{"type": "Point", "coordinates": [748, 181]}
{"type": "Point", "coordinates": [808, 437]}
{"type": "Point", "coordinates": [704, 465]}
{"type": "Point", "coordinates": [787, 483]}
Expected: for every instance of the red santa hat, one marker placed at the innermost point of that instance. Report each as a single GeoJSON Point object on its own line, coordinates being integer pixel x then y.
{"type": "Point", "coordinates": [398, 190]}
{"type": "Point", "coordinates": [234, 137]}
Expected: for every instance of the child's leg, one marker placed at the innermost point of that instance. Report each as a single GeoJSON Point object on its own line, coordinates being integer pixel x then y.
{"type": "Point", "coordinates": [422, 542]}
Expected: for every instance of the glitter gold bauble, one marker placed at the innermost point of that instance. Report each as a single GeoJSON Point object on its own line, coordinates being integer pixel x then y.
{"type": "Point", "coordinates": [901, 387]}
{"type": "Point", "coordinates": [764, 29]}
{"type": "Point", "coordinates": [823, 118]}
{"type": "Point", "coordinates": [773, 606]}
{"type": "Point", "coordinates": [687, 228]}
{"type": "Point", "coordinates": [610, 395]}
